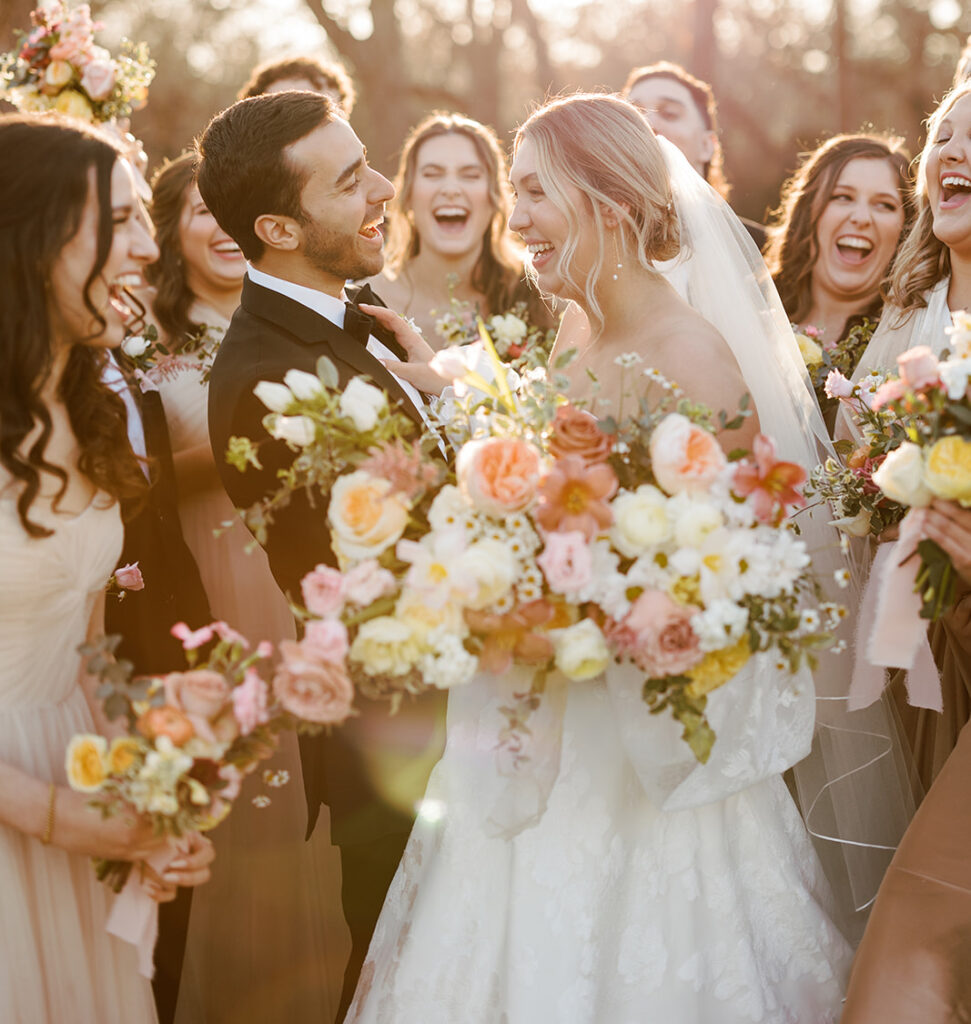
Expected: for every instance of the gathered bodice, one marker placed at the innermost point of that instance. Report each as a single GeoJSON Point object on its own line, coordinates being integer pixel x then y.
{"type": "Point", "coordinates": [48, 586]}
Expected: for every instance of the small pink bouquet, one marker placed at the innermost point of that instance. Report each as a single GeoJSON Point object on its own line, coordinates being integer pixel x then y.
{"type": "Point", "coordinates": [558, 542]}
{"type": "Point", "coordinates": [58, 66]}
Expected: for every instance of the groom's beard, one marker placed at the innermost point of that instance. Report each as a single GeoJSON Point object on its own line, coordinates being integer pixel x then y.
{"type": "Point", "coordinates": [335, 253]}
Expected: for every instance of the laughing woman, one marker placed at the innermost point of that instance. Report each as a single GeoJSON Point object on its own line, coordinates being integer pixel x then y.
{"type": "Point", "coordinates": [836, 232]}
{"type": "Point", "coordinates": [261, 943]}
{"type": "Point", "coordinates": [70, 234]}
{"type": "Point", "coordinates": [447, 234]}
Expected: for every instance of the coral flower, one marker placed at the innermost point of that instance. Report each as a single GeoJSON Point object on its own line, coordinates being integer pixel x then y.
{"type": "Point", "coordinates": [512, 636]}
{"type": "Point", "coordinates": [574, 496]}
{"type": "Point", "coordinates": [772, 486]}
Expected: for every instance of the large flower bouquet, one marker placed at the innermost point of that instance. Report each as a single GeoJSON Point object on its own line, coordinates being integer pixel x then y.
{"type": "Point", "coordinates": [58, 66]}
{"type": "Point", "coordinates": [193, 736]}
{"type": "Point", "coordinates": [558, 542]}
{"type": "Point", "coordinates": [916, 447]}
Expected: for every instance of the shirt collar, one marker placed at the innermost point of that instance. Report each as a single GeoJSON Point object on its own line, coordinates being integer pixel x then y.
{"type": "Point", "coordinates": [320, 302]}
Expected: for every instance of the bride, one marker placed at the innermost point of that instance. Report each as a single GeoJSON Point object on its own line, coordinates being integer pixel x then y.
{"type": "Point", "coordinates": [651, 888]}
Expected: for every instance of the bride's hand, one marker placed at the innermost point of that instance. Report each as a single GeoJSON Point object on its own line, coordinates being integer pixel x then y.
{"type": "Point", "coordinates": [193, 855]}
{"type": "Point", "coordinates": [78, 828]}
{"type": "Point", "coordinates": [416, 370]}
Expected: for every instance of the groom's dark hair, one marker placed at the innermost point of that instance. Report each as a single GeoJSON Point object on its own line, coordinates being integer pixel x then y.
{"type": "Point", "coordinates": [244, 169]}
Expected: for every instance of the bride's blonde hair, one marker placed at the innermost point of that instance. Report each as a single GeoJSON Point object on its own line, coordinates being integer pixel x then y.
{"type": "Point", "coordinates": [923, 259]}
{"type": "Point", "coordinates": [603, 147]}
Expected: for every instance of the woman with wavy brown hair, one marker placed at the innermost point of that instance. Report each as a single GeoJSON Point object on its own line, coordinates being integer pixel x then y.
{"type": "Point", "coordinates": [447, 234]}
{"type": "Point", "coordinates": [836, 230]}
{"type": "Point", "coordinates": [72, 241]}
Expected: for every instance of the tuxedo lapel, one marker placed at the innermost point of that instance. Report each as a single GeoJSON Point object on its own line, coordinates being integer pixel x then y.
{"type": "Point", "coordinates": [312, 330]}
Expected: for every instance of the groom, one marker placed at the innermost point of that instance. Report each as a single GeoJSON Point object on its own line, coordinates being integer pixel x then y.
{"type": "Point", "coordinates": [286, 177]}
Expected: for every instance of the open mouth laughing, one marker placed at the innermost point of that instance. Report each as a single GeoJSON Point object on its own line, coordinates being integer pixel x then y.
{"type": "Point", "coordinates": [120, 297]}
{"type": "Point", "coordinates": [451, 218]}
{"type": "Point", "coordinates": [955, 189]}
{"type": "Point", "coordinates": [854, 248]}
{"type": "Point", "coordinates": [541, 253]}
{"type": "Point", "coordinates": [371, 229]}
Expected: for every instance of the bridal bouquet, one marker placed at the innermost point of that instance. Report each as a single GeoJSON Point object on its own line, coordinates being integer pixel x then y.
{"type": "Point", "coordinates": [58, 66]}
{"type": "Point", "coordinates": [916, 447]}
{"type": "Point", "coordinates": [558, 543]}
{"type": "Point", "coordinates": [193, 735]}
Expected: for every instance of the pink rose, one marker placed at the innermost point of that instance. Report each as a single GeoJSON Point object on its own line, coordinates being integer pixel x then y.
{"type": "Point", "coordinates": [656, 634]}
{"type": "Point", "coordinates": [322, 591]}
{"type": "Point", "coordinates": [576, 432]}
{"type": "Point", "coordinates": [69, 48]}
{"type": "Point", "coordinates": [98, 79]}
{"type": "Point", "coordinates": [837, 385]}
{"type": "Point", "coordinates": [685, 457]}
{"type": "Point", "coordinates": [889, 391]}
{"type": "Point", "coordinates": [314, 691]}
{"type": "Point", "coordinates": [326, 640]}
{"type": "Point", "coordinates": [202, 695]}
{"type": "Point", "coordinates": [129, 577]}
{"type": "Point", "coordinates": [250, 700]}
{"type": "Point", "coordinates": [366, 582]}
{"type": "Point", "coordinates": [567, 562]}
{"type": "Point", "coordinates": [918, 367]}
{"type": "Point", "coordinates": [499, 475]}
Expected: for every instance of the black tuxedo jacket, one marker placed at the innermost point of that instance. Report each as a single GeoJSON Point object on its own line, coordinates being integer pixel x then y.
{"type": "Point", "coordinates": [153, 538]}
{"type": "Point", "coordinates": [270, 334]}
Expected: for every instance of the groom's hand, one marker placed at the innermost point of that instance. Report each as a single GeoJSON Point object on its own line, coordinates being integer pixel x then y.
{"type": "Point", "coordinates": [416, 370]}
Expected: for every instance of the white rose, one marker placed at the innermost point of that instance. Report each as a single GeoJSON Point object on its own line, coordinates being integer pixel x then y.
{"type": "Point", "coordinates": [276, 397]}
{"type": "Point", "coordinates": [901, 476]}
{"type": "Point", "coordinates": [135, 346]}
{"type": "Point", "coordinates": [640, 521]}
{"type": "Point", "coordinates": [956, 376]}
{"type": "Point", "coordinates": [855, 526]}
{"type": "Point", "coordinates": [305, 386]}
{"type": "Point", "coordinates": [694, 522]}
{"type": "Point", "coordinates": [449, 509]}
{"type": "Point", "coordinates": [580, 650]}
{"type": "Point", "coordinates": [365, 516]}
{"type": "Point", "coordinates": [509, 329]}
{"type": "Point", "coordinates": [361, 403]}
{"type": "Point", "coordinates": [297, 430]}
{"type": "Point", "coordinates": [490, 566]}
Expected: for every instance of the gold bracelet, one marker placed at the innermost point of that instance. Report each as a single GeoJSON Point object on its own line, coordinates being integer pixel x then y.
{"type": "Point", "coordinates": [51, 800]}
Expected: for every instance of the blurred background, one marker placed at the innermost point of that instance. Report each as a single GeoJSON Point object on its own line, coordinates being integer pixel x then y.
{"type": "Point", "coordinates": [785, 72]}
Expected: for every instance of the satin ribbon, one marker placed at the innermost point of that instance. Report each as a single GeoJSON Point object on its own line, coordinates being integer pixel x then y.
{"type": "Point", "coordinates": [890, 632]}
{"type": "Point", "coordinates": [134, 916]}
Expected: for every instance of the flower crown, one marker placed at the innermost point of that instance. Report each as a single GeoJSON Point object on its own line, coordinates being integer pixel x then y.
{"type": "Point", "coordinates": [60, 67]}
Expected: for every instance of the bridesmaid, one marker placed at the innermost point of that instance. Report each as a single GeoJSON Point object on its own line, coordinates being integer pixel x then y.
{"type": "Point", "coordinates": [447, 232]}
{"type": "Point", "coordinates": [71, 241]}
{"type": "Point", "coordinates": [266, 939]}
{"type": "Point", "coordinates": [931, 277]}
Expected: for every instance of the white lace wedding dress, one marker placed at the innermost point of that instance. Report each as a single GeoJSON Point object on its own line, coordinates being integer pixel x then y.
{"type": "Point", "coordinates": [652, 889]}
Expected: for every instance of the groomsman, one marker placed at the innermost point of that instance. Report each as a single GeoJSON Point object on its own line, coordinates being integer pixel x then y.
{"type": "Point", "coordinates": [286, 177]}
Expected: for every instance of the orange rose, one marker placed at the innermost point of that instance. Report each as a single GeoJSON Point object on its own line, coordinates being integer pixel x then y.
{"type": "Point", "coordinates": [499, 475]}
{"type": "Point", "coordinates": [575, 432]}
{"type": "Point", "coordinates": [685, 457]}
{"type": "Point", "coordinates": [166, 721]}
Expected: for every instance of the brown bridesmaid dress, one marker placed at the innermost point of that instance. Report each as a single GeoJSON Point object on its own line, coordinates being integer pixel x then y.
{"type": "Point", "coordinates": [914, 963]}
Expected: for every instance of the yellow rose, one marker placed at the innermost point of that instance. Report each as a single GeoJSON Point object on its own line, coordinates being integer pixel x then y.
{"type": "Point", "coordinates": [58, 73]}
{"type": "Point", "coordinates": [72, 104]}
{"type": "Point", "coordinates": [716, 668]}
{"type": "Point", "coordinates": [812, 354]}
{"type": "Point", "coordinates": [365, 515]}
{"type": "Point", "coordinates": [947, 471]}
{"type": "Point", "coordinates": [122, 754]}
{"type": "Point", "coordinates": [386, 646]}
{"type": "Point", "coordinates": [423, 619]}
{"type": "Point", "coordinates": [86, 770]}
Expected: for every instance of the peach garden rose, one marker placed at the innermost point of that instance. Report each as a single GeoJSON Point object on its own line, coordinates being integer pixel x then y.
{"type": "Point", "coordinates": [685, 457]}
{"type": "Point", "coordinates": [499, 475]}
{"type": "Point", "coordinates": [366, 516]}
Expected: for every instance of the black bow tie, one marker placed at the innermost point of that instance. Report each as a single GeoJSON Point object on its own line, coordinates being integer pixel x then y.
{"type": "Point", "coordinates": [358, 324]}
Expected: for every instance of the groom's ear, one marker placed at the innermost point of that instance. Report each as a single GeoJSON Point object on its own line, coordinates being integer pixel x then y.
{"type": "Point", "coordinates": [277, 232]}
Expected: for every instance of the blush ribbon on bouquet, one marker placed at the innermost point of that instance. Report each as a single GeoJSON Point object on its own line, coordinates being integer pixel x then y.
{"type": "Point", "coordinates": [891, 633]}
{"type": "Point", "coordinates": [134, 916]}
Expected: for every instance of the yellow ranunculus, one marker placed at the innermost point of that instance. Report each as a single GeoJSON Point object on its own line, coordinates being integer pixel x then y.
{"type": "Point", "coordinates": [947, 471]}
{"type": "Point", "coordinates": [58, 73]}
{"type": "Point", "coordinates": [86, 769]}
{"type": "Point", "coordinates": [71, 103]}
{"type": "Point", "coordinates": [811, 352]}
{"type": "Point", "coordinates": [716, 668]}
{"type": "Point", "coordinates": [685, 590]}
{"type": "Point", "coordinates": [122, 754]}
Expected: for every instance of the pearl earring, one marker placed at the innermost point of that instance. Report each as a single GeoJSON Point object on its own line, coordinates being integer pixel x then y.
{"type": "Point", "coordinates": [620, 266]}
